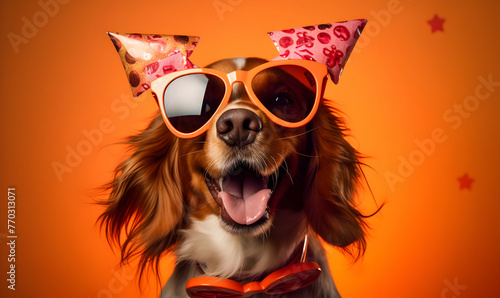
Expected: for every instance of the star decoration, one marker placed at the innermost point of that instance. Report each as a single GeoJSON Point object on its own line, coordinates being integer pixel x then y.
{"type": "Point", "coordinates": [436, 23]}
{"type": "Point", "coordinates": [465, 182]}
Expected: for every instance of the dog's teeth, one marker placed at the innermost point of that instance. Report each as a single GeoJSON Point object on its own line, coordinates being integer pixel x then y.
{"type": "Point", "coordinates": [220, 183]}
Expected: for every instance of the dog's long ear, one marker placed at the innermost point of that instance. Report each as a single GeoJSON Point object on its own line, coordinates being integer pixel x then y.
{"type": "Point", "coordinates": [146, 197]}
{"type": "Point", "coordinates": [333, 177]}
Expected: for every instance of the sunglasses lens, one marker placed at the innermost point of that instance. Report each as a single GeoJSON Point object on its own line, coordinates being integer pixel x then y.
{"type": "Point", "coordinates": [191, 100]}
{"type": "Point", "coordinates": [287, 91]}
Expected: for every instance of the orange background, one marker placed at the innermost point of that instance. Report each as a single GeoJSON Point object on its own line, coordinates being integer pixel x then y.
{"type": "Point", "coordinates": [400, 83]}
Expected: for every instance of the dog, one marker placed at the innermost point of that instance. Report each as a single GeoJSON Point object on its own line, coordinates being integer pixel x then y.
{"type": "Point", "coordinates": [245, 197]}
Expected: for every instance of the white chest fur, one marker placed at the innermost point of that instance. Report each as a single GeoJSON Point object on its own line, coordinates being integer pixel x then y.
{"type": "Point", "coordinates": [228, 255]}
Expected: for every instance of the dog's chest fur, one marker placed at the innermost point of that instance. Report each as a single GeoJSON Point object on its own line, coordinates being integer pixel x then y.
{"type": "Point", "coordinates": [228, 255]}
{"type": "Point", "coordinates": [242, 258]}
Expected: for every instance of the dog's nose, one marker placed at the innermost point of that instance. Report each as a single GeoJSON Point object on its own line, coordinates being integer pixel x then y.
{"type": "Point", "coordinates": [238, 127]}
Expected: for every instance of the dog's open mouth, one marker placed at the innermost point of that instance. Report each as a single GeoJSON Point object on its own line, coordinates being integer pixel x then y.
{"type": "Point", "coordinates": [243, 195]}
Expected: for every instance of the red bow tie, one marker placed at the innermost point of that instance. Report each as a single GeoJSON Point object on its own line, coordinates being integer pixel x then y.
{"type": "Point", "coordinates": [284, 280]}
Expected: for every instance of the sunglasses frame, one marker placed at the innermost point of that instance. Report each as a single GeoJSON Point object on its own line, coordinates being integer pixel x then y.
{"type": "Point", "coordinates": [318, 71]}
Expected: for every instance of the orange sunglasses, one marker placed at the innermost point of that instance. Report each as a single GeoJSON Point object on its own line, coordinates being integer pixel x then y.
{"type": "Point", "coordinates": [287, 91]}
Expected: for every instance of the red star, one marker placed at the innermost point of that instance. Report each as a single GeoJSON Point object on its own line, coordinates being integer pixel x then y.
{"type": "Point", "coordinates": [465, 181]}
{"type": "Point", "coordinates": [436, 23]}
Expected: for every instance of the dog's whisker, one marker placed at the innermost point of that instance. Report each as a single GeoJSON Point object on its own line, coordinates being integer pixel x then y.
{"type": "Point", "coordinates": [275, 173]}
{"type": "Point", "coordinates": [193, 152]}
{"type": "Point", "coordinates": [306, 155]}
{"type": "Point", "coordinates": [298, 135]}
{"type": "Point", "coordinates": [207, 169]}
{"type": "Point", "coordinates": [285, 166]}
{"type": "Point", "coordinates": [265, 233]}
{"type": "Point", "coordinates": [262, 162]}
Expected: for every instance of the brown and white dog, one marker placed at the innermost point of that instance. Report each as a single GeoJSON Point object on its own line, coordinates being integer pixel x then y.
{"type": "Point", "coordinates": [166, 195]}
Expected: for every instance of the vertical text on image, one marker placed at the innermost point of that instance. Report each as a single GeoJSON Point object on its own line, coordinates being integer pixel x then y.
{"type": "Point", "coordinates": [11, 237]}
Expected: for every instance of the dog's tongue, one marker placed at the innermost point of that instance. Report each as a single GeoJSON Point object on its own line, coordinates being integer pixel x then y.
{"type": "Point", "coordinates": [245, 196]}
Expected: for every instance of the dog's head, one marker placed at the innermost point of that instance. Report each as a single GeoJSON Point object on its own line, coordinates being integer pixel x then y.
{"type": "Point", "coordinates": [243, 166]}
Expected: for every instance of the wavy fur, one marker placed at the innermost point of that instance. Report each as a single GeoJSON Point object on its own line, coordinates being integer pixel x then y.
{"type": "Point", "coordinates": [159, 204]}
